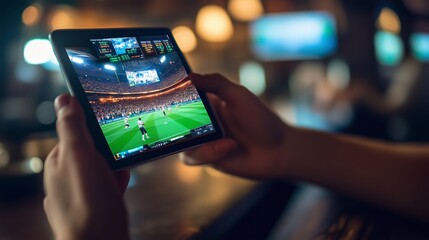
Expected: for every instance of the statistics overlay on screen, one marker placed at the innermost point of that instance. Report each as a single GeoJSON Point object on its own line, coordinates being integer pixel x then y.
{"type": "Point", "coordinates": [140, 93]}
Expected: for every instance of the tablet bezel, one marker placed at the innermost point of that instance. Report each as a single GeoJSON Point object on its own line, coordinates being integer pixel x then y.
{"type": "Point", "coordinates": [67, 38]}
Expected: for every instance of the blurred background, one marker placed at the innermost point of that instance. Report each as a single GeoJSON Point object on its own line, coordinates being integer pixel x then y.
{"type": "Point", "coordinates": [356, 67]}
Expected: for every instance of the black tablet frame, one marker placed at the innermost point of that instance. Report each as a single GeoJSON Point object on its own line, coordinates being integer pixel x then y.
{"type": "Point", "coordinates": [67, 38]}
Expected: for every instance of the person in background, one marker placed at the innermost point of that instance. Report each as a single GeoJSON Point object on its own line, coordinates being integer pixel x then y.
{"type": "Point", "coordinates": [84, 197]}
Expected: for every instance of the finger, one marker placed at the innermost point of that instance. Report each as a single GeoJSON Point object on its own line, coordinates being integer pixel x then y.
{"type": "Point", "coordinates": [215, 102]}
{"type": "Point", "coordinates": [47, 210]}
{"type": "Point", "coordinates": [218, 85]}
{"type": "Point", "coordinates": [209, 152]}
{"type": "Point", "coordinates": [219, 108]}
{"type": "Point", "coordinates": [51, 159]}
{"type": "Point", "coordinates": [123, 178]}
{"type": "Point", "coordinates": [50, 165]}
{"type": "Point", "coordinates": [71, 127]}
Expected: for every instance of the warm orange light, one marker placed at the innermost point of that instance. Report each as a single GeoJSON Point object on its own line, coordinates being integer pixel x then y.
{"type": "Point", "coordinates": [62, 17]}
{"type": "Point", "coordinates": [188, 174]}
{"type": "Point", "coordinates": [389, 21]}
{"type": "Point", "coordinates": [185, 38]}
{"type": "Point", "coordinates": [213, 172]}
{"type": "Point", "coordinates": [213, 24]}
{"type": "Point", "coordinates": [245, 10]}
{"type": "Point", "coordinates": [31, 15]}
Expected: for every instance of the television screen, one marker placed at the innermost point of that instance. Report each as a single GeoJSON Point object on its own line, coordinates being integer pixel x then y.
{"type": "Point", "coordinates": [142, 77]}
{"type": "Point", "coordinates": [291, 36]}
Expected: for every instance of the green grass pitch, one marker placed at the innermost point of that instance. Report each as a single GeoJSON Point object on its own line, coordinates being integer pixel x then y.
{"type": "Point", "coordinates": [178, 122]}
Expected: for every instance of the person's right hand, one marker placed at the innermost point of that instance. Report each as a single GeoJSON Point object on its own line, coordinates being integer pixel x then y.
{"type": "Point", "coordinates": [255, 136]}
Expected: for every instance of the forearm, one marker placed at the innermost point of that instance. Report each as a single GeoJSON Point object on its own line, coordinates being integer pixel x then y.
{"type": "Point", "coordinates": [392, 176]}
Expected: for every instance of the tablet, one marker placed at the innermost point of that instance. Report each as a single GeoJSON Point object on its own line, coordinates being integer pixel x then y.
{"type": "Point", "coordinates": [134, 87]}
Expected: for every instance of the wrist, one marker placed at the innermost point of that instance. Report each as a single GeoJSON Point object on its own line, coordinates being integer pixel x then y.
{"type": "Point", "coordinates": [88, 228]}
{"type": "Point", "coordinates": [286, 155]}
{"type": "Point", "coordinates": [301, 151]}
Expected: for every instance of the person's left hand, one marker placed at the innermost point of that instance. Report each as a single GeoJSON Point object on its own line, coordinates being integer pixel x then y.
{"type": "Point", "coordinates": [83, 195]}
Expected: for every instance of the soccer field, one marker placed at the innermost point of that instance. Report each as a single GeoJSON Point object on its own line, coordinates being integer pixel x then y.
{"type": "Point", "coordinates": [177, 122]}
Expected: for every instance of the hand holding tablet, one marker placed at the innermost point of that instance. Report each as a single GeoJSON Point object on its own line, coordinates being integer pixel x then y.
{"type": "Point", "coordinates": [134, 87]}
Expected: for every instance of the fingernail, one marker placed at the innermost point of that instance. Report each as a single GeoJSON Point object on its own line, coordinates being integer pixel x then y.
{"type": "Point", "coordinates": [61, 101]}
{"type": "Point", "coordinates": [190, 161]}
{"type": "Point", "coordinates": [187, 160]}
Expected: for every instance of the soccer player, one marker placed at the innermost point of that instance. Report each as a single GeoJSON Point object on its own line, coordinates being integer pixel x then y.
{"type": "Point", "coordinates": [391, 176]}
{"type": "Point", "coordinates": [127, 124]}
{"type": "Point", "coordinates": [163, 111]}
{"type": "Point", "coordinates": [140, 123]}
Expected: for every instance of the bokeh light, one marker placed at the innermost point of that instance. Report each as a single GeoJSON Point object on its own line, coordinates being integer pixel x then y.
{"type": "Point", "coordinates": [62, 17]}
{"type": "Point", "coordinates": [245, 10]}
{"type": "Point", "coordinates": [420, 46]}
{"type": "Point", "coordinates": [185, 38]}
{"type": "Point", "coordinates": [35, 165]}
{"type": "Point", "coordinates": [252, 76]}
{"type": "Point", "coordinates": [389, 21]}
{"type": "Point", "coordinates": [45, 113]}
{"type": "Point", "coordinates": [38, 51]}
{"type": "Point", "coordinates": [31, 15]}
{"type": "Point", "coordinates": [27, 73]}
{"type": "Point", "coordinates": [389, 48]}
{"type": "Point", "coordinates": [338, 74]}
{"type": "Point", "coordinates": [213, 24]}
{"type": "Point", "coordinates": [4, 155]}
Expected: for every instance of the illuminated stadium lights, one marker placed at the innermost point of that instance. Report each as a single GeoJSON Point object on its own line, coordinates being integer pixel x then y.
{"type": "Point", "coordinates": [77, 60]}
{"type": "Point", "coordinates": [162, 60]}
{"type": "Point", "coordinates": [110, 67]}
{"type": "Point", "coordinates": [38, 51]}
{"type": "Point", "coordinates": [110, 99]}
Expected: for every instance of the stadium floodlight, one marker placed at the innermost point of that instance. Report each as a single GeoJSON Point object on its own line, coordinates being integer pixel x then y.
{"type": "Point", "coordinates": [162, 60]}
{"type": "Point", "coordinates": [77, 60]}
{"type": "Point", "coordinates": [110, 67]}
{"type": "Point", "coordinates": [113, 68]}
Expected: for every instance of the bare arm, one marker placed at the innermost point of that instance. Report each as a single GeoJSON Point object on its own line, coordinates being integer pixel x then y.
{"type": "Point", "coordinates": [393, 176]}
{"type": "Point", "coordinates": [259, 145]}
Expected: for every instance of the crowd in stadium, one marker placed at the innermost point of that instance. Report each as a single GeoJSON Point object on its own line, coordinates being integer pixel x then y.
{"type": "Point", "coordinates": [129, 106]}
{"type": "Point", "coordinates": [94, 76]}
{"type": "Point", "coordinates": [112, 85]}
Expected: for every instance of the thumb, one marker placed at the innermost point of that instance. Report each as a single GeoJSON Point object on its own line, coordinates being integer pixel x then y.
{"type": "Point", "coordinates": [218, 85]}
{"type": "Point", "coordinates": [71, 126]}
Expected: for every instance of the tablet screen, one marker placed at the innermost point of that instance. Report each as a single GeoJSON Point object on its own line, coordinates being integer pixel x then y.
{"type": "Point", "coordinates": [140, 93]}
